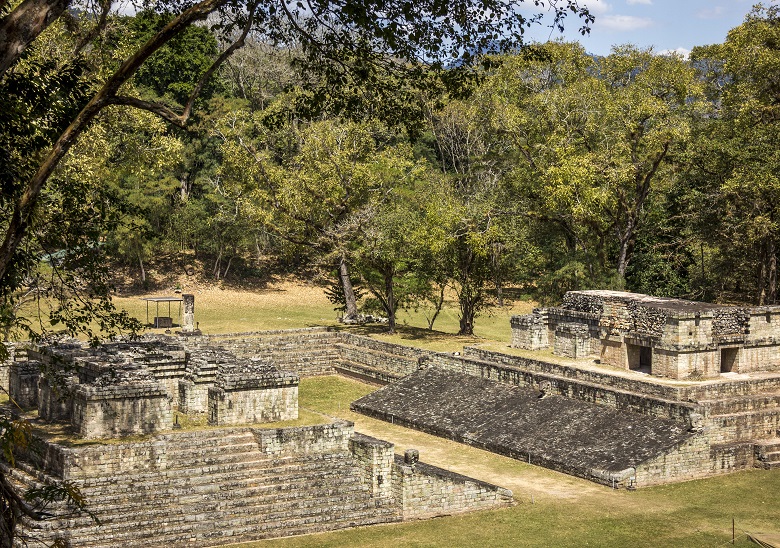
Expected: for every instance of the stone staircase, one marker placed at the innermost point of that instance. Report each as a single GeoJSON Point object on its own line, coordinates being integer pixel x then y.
{"type": "Point", "coordinates": [370, 361]}
{"type": "Point", "coordinates": [219, 489]}
{"type": "Point", "coordinates": [743, 417]}
{"type": "Point", "coordinates": [767, 454]}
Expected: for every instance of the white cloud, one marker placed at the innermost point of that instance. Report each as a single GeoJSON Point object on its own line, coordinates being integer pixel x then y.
{"type": "Point", "coordinates": [684, 53]}
{"type": "Point", "coordinates": [623, 22]}
{"type": "Point", "coordinates": [645, 2]}
{"type": "Point", "coordinates": [596, 7]}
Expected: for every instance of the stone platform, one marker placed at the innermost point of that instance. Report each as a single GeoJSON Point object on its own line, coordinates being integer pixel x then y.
{"type": "Point", "coordinates": [583, 439]}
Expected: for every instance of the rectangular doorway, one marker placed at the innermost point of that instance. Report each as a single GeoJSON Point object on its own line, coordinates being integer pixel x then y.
{"type": "Point", "coordinates": [640, 358]}
{"type": "Point", "coordinates": [729, 360]}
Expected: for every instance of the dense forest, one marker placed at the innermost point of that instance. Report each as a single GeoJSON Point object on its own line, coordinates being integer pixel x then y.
{"type": "Point", "coordinates": [544, 168]}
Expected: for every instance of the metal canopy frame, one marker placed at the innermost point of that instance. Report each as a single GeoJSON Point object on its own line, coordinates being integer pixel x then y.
{"type": "Point", "coordinates": [159, 300]}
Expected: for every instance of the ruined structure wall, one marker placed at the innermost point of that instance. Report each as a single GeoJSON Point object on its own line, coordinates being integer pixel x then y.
{"type": "Point", "coordinates": [372, 358]}
{"type": "Point", "coordinates": [764, 325]}
{"type": "Point", "coordinates": [264, 404]}
{"type": "Point", "coordinates": [375, 459]}
{"type": "Point", "coordinates": [55, 403]}
{"type": "Point", "coordinates": [23, 383]}
{"type": "Point", "coordinates": [531, 332]}
{"type": "Point", "coordinates": [688, 330]}
{"type": "Point", "coordinates": [193, 397]}
{"type": "Point", "coordinates": [569, 387]}
{"type": "Point", "coordinates": [695, 458]}
{"type": "Point", "coordinates": [120, 410]}
{"type": "Point", "coordinates": [305, 440]}
{"type": "Point", "coordinates": [425, 491]}
{"type": "Point", "coordinates": [613, 352]}
{"type": "Point", "coordinates": [306, 352]}
{"type": "Point", "coordinates": [758, 358]}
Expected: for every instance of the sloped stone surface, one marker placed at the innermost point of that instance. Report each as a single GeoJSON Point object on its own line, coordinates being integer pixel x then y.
{"type": "Point", "coordinates": [576, 437]}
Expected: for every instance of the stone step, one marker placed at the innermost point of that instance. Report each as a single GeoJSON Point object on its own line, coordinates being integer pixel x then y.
{"type": "Point", "coordinates": [725, 418]}
{"type": "Point", "coordinates": [242, 533]}
{"type": "Point", "coordinates": [258, 470]}
{"type": "Point", "coordinates": [775, 465]}
{"type": "Point", "coordinates": [385, 361]}
{"type": "Point", "coordinates": [316, 511]}
{"type": "Point", "coordinates": [746, 403]}
{"type": "Point", "coordinates": [767, 454]}
{"type": "Point", "coordinates": [365, 372]}
{"type": "Point", "coordinates": [186, 493]}
{"type": "Point", "coordinates": [273, 502]}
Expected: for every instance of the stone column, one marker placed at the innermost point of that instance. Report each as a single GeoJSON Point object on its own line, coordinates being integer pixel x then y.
{"type": "Point", "coordinates": [188, 318]}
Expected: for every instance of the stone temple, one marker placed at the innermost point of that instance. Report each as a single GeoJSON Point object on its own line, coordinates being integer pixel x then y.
{"type": "Point", "coordinates": [670, 338]}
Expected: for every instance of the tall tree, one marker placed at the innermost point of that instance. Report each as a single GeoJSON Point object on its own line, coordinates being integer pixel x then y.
{"type": "Point", "coordinates": [735, 162]}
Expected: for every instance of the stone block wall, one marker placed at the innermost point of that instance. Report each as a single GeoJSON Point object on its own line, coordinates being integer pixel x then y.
{"type": "Point", "coordinates": [306, 352]}
{"type": "Point", "coordinates": [55, 402]}
{"type": "Point", "coordinates": [572, 340]}
{"type": "Point", "coordinates": [193, 397]}
{"type": "Point", "coordinates": [118, 410]}
{"type": "Point", "coordinates": [306, 440]}
{"type": "Point", "coordinates": [375, 458]}
{"type": "Point", "coordinates": [530, 331]}
{"type": "Point", "coordinates": [695, 458]}
{"type": "Point", "coordinates": [268, 403]}
{"type": "Point", "coordinates": [425, 491]}
{"type": "Point", "coordinates": [23, 382]}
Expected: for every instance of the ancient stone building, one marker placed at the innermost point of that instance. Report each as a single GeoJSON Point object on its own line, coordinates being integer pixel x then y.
{"type": "Point", "coordinates": [665, 337]}
{"type": "Point", "coordinates": [242, 479]}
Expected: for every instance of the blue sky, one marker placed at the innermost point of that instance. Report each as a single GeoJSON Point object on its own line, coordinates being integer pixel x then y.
{"type": "Point", "coordinates": [663, 24]}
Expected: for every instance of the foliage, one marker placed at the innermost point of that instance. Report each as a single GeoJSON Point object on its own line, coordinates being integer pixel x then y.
{"type": "Point", "coordinates": [735, 162]}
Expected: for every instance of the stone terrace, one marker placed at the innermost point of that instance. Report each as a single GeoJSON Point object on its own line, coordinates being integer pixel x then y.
{"type": "Point", "coordinates": [582, 439]}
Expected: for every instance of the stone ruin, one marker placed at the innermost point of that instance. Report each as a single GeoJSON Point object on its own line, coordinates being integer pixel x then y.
{"type": "Point", "coordinates": [670, 338]}
{"type": "Point", "coordinates": [244, 480]}
{"type": "Point", "coordinates": [132, 387]}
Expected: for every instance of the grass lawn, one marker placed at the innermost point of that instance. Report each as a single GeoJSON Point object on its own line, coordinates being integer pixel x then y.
{"type": "Point", "coordinates": [286, 305]}
{"type": "Point", "coordinates": [552, 509]}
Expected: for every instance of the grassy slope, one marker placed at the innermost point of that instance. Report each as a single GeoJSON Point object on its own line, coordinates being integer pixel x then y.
{"type": "Point", "coordinates": [288, 305]}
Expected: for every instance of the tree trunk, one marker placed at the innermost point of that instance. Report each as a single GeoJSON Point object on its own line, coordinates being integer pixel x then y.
{"type": "Point", "coordinates": [218, 264]}
{"type": "Point", "coordinates": [227, 268]}
{"type": "Point", "coordinates": [350, 313]}
{"type": "Point", "coordinates": [466, 318]}
{"type": "Point", "coordinates": [772, 260]}
{"type": "Point", "coordinates": [625, 243]}
{"type": "Point", "coordinates": [184, 188]}
{"type": "Point", "coordinates": [438, 306]}
{"type": "Point", "coordinates": [390, 301]}
{"type": "Point", "coordinates": [143, 271]}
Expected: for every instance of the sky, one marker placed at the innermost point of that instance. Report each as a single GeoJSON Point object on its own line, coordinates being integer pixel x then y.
{"type": "Point", "coordinates": [666, 25]}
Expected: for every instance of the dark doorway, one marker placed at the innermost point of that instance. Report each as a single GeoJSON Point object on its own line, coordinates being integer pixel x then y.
{"type": "Point", "coordinates": [640, 358]}
{"type": "Point", "coordinates": [728, 359]}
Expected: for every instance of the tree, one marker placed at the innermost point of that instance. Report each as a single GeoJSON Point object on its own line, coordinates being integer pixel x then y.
{"type": "Point", "coordinates": [735, 163]}
{"type": "Point", "coordinates": [49, 105]}
{"type": "Point", "coordinates": [591, 139]}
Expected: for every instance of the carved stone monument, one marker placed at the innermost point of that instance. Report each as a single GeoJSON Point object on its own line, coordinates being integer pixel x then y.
{"type": "Point", "coordinates": [188, 317]}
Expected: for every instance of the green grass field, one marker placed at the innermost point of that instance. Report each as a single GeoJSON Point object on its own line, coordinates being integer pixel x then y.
{"type": "Point", "coordinates": [289, 305]}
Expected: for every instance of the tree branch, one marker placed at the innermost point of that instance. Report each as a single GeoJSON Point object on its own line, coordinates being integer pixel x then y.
{"type": "Point", "coordinates": [18, 224]}
{"type": "Point", "coordinates": [22, 26]}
